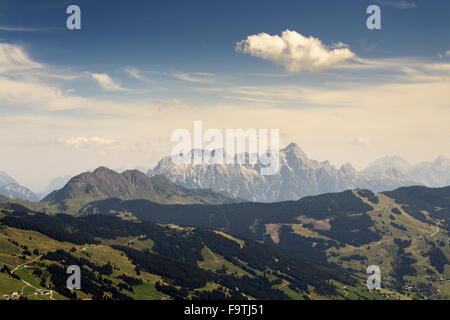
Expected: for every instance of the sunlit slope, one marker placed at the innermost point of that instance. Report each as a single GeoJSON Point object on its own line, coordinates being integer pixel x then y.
{"type": "Point", "coordinates": [127, 260]}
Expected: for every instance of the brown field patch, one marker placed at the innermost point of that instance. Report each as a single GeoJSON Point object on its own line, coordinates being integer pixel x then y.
{"type": "Point", "coordinates": [323, 225]}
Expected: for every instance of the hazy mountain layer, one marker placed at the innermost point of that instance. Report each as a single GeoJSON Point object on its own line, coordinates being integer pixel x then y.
{"type": "Point", "coordinates": [6, 179]}
{"type": "Point", "coordinates": [10, 188]}
{"type": "Point", "coordinates": [298, 177]}
{"type": "Point", "coordinates": [431, 174]}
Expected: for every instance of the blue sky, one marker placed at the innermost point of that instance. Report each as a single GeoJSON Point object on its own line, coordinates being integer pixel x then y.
{"type": "Point", "coordinates": [192, 35]}
{"type": "Point", "coordinates": [111, 93]}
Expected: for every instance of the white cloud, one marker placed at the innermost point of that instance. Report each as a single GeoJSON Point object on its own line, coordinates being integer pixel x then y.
{"type": "Point", "coordinates": [41, 96]}
{"type": "Point", "coordinates": [34, 95]}
{"type": "Point", "coordinates": [204, 74]}
{"type": "Point", "coordinates": [23, 29]}
{"type": "Point", "coordinates": [86, 142]}
{"type": "Point", "coordinates": [14, 58]}
{"type": "Point", "coordinates": [362, 142]}
{"type": "Point", "coordinates": [340, 45]}
{"type": "Point", "coordinates": [197, 77]}
{"type": "Point", "coordinates": [24, 82]}
{"type": "Point", "coordinates": [368, 109]}
{"type": "Point", "coordinates": [105, 81]}
{"type": "Point", "coordinates": [136, 73]}
{"type": "Point", "coordinates": [295, 51]}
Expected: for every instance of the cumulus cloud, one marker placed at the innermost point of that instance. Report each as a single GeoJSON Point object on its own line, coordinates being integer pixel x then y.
{"type": "Point", "coordinates": [105, 81]}
{"type": "Point", "coordinates": [295, 51]}
{"type": "Point", "coordinates": [14, 58]}
{"type": "Point", "coordinates": [86, 142]}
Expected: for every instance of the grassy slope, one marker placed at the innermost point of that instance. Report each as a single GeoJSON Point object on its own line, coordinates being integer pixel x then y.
{"type": "Point", "coordinates": [101, 254]}
{"type": "Point", "coordinates": [384, 252]}
{"type": "Point", "coordinates": [212, 261]}
{"type": "Point", "coordinates": [103, 184]}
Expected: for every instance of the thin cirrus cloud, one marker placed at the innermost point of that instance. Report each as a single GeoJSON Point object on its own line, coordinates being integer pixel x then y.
{"type": "Point", "coordinates": [362, 142]}
{"type": "Point", "coordinates": [87, 142]}
{"type": "Point", "coordinates": [24, 29]}
{"type": "Point", "coordinates": [13, 58]}
{"type": "Point", "coordinates": [196, 77]}
{"type": "Point", "coordinates": [106, 82]}
{"type": "Point", "coordinates": [399, 4]}
{"type": "Point", "coordinates": [26, 83]}
{"type": "Point", "coordinates": [295, 52]}
{"type": "Point", "coordinates": [136, 74]}
{"type": "Point", "coordinates": [445, 54]}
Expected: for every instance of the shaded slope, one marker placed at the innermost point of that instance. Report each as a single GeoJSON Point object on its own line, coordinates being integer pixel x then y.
{"type": "Point", "coordinates": [104, 183]}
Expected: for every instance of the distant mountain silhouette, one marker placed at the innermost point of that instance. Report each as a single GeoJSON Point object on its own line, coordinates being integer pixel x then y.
{"type": "Point", "coordinates": [298, 177]}
{"type": "Point", "coordinates": [104, 183]}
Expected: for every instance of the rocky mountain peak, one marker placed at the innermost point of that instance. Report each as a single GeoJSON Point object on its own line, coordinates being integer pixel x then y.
{"type": "Point", "coordinates": [298, 177]}
{"type": "Point", "coordinates": [442, 161]}
{"type": "Point", "coordinates": [6, 179]}
{"type": "Point", "coordinates": [104, 183]}
{"type": "Point", "coordinates": [10, 188]}
{"type": "Point", "coordinates": [103, 170]}
{"type": "Point", "coordinates": [294, 157]}
{"type": "Point", "coordinates": [383, 164]}
{"type": "Point", "coordinates": [348, 169]}
{"type": "Point", "coordinates": [295, 149]}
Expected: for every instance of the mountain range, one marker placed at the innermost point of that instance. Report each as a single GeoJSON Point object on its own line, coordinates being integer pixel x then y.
{"type": "Point", "coordinates": [55, 184]}
{"type": "Point", "coordinates": [405, 232]}
{"type": "Point", "coordinates": [167, 241]}
{"type": "Point", "coordinates": [104, 183]}
{"type": "Point", "coordinates": [431, 174]}
{"type": "Point", "coordinates": [10, 188]}
{"type": "Point", "coordinates": [298, 177]}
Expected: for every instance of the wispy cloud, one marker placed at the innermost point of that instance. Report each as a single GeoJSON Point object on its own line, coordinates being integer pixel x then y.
{"type": "Point", "coordinates": [24, 29]}
{"type": "Point", "coordinates": [87, 142]}
{"type": "Point", "coordinates": [14, 58]}
{"type": "Point", "coordinates": [445, 54]}
{"type": "Point", "coordinates": [106, 82]}
{"type": "Point", "coordinates": [204, 74]}
{"type": "Point", "coordinates": [196, 77]}
{"type": "Point", "coordinates": [399, 4]}
{"type": "Point", "coordinates": [361, 142]}
{"type": "Point", "coordinates": [370, 113]}
{"type": "Point", "coordinates": [136, 74]}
